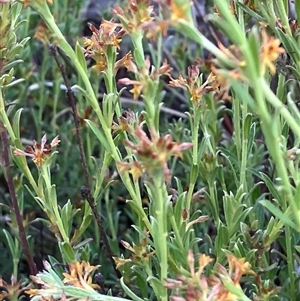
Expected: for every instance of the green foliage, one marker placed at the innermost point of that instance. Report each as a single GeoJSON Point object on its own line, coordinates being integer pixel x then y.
{"type": "Point", "coordinates": [206, 205]}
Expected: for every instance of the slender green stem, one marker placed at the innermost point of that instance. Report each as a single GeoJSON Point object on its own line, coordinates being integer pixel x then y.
{"type": "Point", "coordinates": [278, 105]}
{"type": "Point", "coordinates": [160, 195]}
{"type": "Point", "coordinates": [237, 126]}
{"type": "Point", "coordinates": [195, 125]}
{"type": "Point", "coordinates": [52, 201]}
{"type": "Point", "coordinates": [214, 203]}
{"type": "Point", "coordinates": [271, 14]}
{"type": "Point", "coordinates": [241, 17]}
{"type": "Point", "coordinates": [244, 158]}
{"type": "Point", "coordinates": [290, 261]}
{"type": "Point", "coordinates": [13, 138]}
{"type": "Point", "coordinates": [283, 16]}
{"type": "Point", "coordinates": [272, 138]}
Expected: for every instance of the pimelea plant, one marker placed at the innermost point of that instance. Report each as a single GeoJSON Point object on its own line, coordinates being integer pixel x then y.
{"type": "Point", "coordinates": [213, 215]}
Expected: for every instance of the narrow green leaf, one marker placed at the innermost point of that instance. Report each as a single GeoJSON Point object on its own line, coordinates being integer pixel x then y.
{"type": "Point", "coordinates": [129, 292]}
{"type": "Point", "coordinates": [16, 123]}
{"type": "Point", "coordinates": [271, 186]}
{"type": "Point", "coordinates": [83, 243]}
{"type": "Point", "coordinates": [250, 12]}
{"type": "Point", "coordinates": [278, 213]}
{"type": "Point", "coordinates": [98, 134]}
{"type": "Point", "coordinates": [247, 125]}
{"type": "Point", "coordinates": [194, 173]}
{"type": "Point", "coordinates": [67, 252]}
{"type": "Point", "coordinates": [243, 94]}
{"type": "Point", "coordinates": [157, 286]}
{"type": "Point", "coordinates": [10, 242]}
{"type": "Point", "coordinates": [80, 56]}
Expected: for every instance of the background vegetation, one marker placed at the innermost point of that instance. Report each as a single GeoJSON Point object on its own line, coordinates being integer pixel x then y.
{"type": "Point", "coordinates": [175, 173]}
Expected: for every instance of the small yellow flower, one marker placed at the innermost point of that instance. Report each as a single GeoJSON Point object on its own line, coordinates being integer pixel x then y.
{"type": "Point", "coordinates": [153, 154]}
{"type": "Point", "coordinates": [101, 63]}
{"type": "Point", "coordinates": [139, 252]}
{"type": "Point", "coordinates": [80, 275]}
{"type": "Point", "coordinates": [39, 152]}
{"type": "Point", "coordinates": [135, 16]}
{"type": "Point", "coordinates": [136, 91]}
{"type": "Point", "coordinates": [238, 267]}
{"type": "Point", "coordinates": [126, 61]}
{"type": "Point", "coordinates": [137, 86]}
{"type": "Point", "coordinates": [12, 290]}
{"type": "Point", "coordinates": [134, 168]}
{"type": "Point", "coordinates": [179, 11]}
{"type": "Point", "coordinates": [193, 84]}
{"type": "Point", "coordinates": [270, 51]}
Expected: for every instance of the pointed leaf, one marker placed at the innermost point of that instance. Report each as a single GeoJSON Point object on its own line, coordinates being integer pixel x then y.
{"type": "Point", "coordinates": [278, 213]}
{"type": "Point", "coordinates": [98, 134]}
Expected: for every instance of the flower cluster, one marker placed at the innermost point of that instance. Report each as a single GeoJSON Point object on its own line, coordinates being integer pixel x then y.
{"type": "Point", "coordinates": [218, 80]}
{"type": "Point", "coordinates": [139, 252]}
{"type": "Point", "coordinates": [39, 152]}
{"type": "Point", "coordinates": [152, 155]}
{"type": "Point", "coordinates": [192, 84]}
{"type": "Point", "coordinates": [269, 53]}
{"type": "Point", "coordinates": [77, 280]}
{"type": "Point", "coordinates": [144, 77]}
{"type": "Point", "coordinates": [128, 122]}
{"type": "Point", "coordinates": [136, 16]}
{"type": "Point", "coordinates": [214, 287]}
{"type": "Point", "coordinates": [12, 291]}
{"type": "Point", "coordinates": [107, 35]}
{"type": "Point", "coordinates": [215, 82]}
{"type": "Point", "coordinates": [79, 275]}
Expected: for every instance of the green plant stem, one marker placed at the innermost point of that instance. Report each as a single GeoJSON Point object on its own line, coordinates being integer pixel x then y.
{"type": "Point", "coordinates": [271, 14]}
{"type": "Point", "coordinates": [159, 51]}
{"type": "Point", "coordinates": [214, 202]}
{"type": "Point", "coordinates": [244, 158]}
{"type": "Point", "coordinates": [241, 19]}
{"type": "Point", "coordinates": [283, 16]}
{"type": "Point", "coordinates": [159, 194]}
{"type": "Point", "coordinates": [56, 97]}
{"type": "Point", "coordinates": [189, 30]}
{"type": "Point", "coordinates": [272, 142]}
{"type": "Point", "coordinates": [101, 176]}
{"type": "Point", "coordinates": [278, 105]}
{"type": "Point", "coordinates": [52, 201]}
{"type": "Point", "coordinates": [86, 191]}
{"type": "Point", "coordinates": [195, 140]}
{"type": "Point", "coordinates": [290, 261]}
{"type": "Point", "coordinates": [16, 259]}
{"type": "Point", "coordinates": [237, 126]}
{"type": "Point", "coordinates": [13, 138]}
{"type": "Point", "coordinates": [15, 206]}
{"type": "Point", "coordinates": [42, 98]}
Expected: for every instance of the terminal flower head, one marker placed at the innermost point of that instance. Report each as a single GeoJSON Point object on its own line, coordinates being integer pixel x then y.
{"type": "Point", "coordinates": [153, 154]}
{"type": "Point", "coordinates": [39, 152]}
{"type": "Point", "coordinates": [135, 15]}
{"type": "Point", "coordinates": [80, 275]}
{"type": "Point", "coordinates": [270, 51]}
